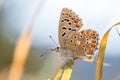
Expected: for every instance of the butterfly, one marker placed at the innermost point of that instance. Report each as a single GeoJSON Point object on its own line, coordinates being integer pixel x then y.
{"type": "Point", "coordinates": [75, 43]}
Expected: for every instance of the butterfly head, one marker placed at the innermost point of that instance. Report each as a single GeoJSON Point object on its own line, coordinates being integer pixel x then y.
{"type": "Point", "coordinates": [56, 49]}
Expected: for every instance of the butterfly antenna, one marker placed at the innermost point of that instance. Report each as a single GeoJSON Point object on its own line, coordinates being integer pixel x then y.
{"type": "Point", "coordinates": [53, 40]}
{"type": "Point", "coordinates": [118, 32]}
{"type": "Point", "coordinates": [49, 49]}
{"type": "Point", "coordinates": [44, 53]}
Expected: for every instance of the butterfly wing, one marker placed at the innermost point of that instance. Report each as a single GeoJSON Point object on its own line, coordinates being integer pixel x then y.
{"type": "Point", "coordinates": [84, 43]}
{"type": "Point", "coordinates": [69, 24]}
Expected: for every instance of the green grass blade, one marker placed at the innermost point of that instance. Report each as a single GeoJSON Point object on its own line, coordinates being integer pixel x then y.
{"type": "Point", "coordinates": [59, 73]}
{"type": "Point", "coordinates": [68, 70]}
{"type": "Point", "coordinates": [100, 60]}
{"type": "Point", "coordinates": [64, 73]}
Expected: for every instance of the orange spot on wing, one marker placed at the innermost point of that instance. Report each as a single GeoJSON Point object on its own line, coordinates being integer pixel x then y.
{"type": "Point", "coordinates": [76, 20]}
{"type": "Point", "coordinates": [90, 52]}
{"type": "Point", "coordinates": [88, 33]}
{"type": "Point", "coordinates": [93, 45]}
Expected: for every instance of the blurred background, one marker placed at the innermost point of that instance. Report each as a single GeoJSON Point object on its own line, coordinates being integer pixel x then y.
{"type": "Point", "coordinates": [98, 15]}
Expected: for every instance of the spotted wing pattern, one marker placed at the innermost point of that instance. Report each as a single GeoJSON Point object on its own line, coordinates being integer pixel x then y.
{"type": "Point", "coordinates": [84, 43]}
{"type": "Point", "coordinates": [68, 25]}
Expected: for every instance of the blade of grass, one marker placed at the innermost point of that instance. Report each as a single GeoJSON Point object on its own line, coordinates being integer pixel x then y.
{"type": "Point", "coordinates": [118, 32]}
{"type": "Point", "coordinates": [20, 56]}
{"type": "Point", "coordinates": [65, 71]}
{"type": "Point", "coordinates": [101, 54]}
{"type": "Point", "coordinates": [59, 73]}
{"type": "Point", "coordinates": [68, 70]}
{"type": "Point", "coordinates": [22, 50]}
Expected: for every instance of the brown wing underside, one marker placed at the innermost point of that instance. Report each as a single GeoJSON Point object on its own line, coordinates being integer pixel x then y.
{"type": "Point", "coordinates": [83, 42]}
{"type": "Point", "coordinates": [69, 24]}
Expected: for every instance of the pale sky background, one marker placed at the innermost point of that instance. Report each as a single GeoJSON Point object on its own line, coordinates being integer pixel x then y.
{"type": "Point", "coordinates": [98, 15]}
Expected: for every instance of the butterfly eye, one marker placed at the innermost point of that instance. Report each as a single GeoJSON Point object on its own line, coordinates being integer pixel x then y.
{"type": "Point", "coordinates": [57, 47]}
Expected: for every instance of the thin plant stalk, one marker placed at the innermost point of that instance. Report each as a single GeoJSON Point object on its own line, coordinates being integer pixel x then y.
{"type": "Point", "coordinates": [100, 60]}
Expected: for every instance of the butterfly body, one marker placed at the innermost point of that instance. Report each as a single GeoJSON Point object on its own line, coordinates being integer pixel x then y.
{"type": "Point", "coordinates": [75, 43]}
